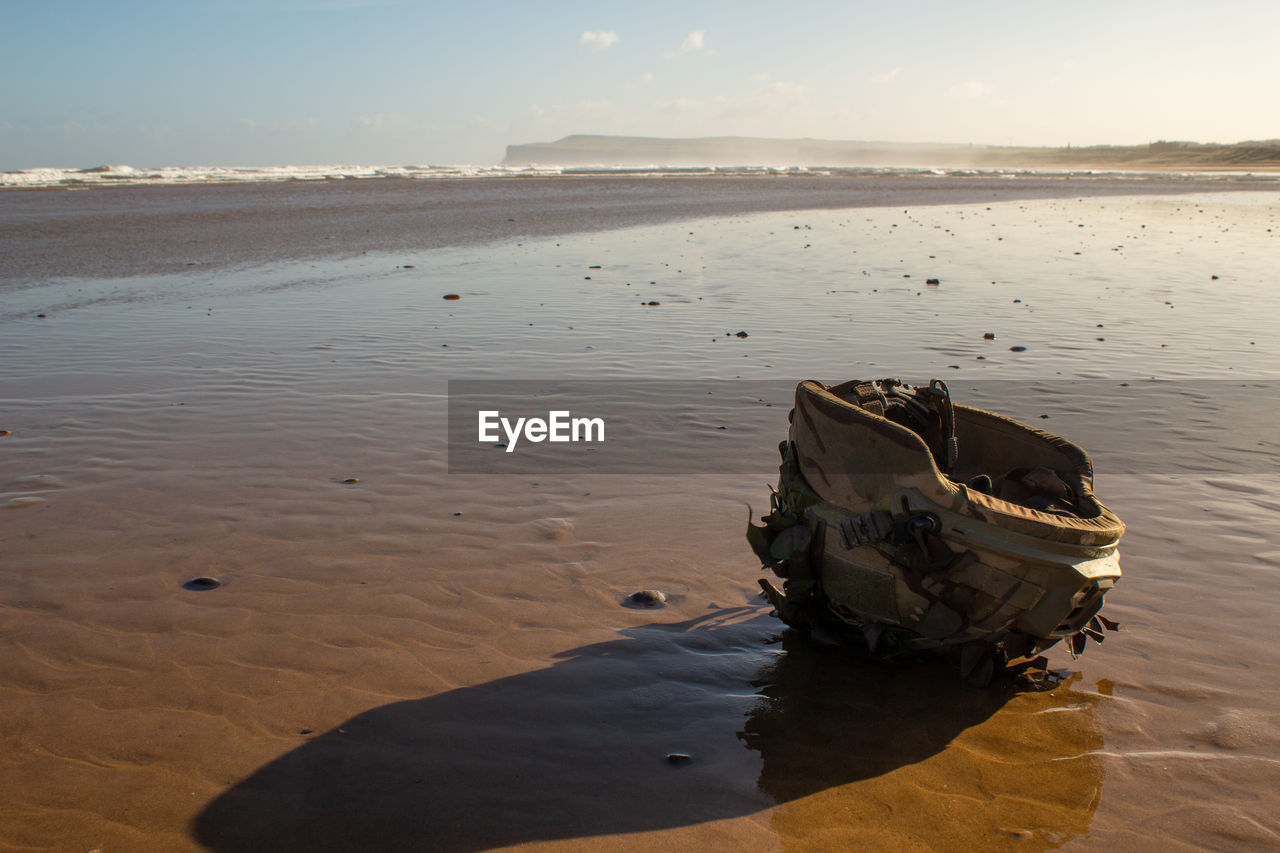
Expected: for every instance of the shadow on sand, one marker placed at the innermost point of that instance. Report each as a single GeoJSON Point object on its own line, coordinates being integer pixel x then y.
{"type": "Point", "coordinates": [581, 749]}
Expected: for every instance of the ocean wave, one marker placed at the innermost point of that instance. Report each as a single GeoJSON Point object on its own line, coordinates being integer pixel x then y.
{"type": "Point", "coordinates": [122, 175]}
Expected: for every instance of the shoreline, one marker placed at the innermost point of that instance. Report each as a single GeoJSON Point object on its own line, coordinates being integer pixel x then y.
{"type": "Point", "coordinates": [153, 230]}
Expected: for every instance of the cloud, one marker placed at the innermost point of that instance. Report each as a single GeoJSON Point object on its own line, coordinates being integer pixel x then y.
{"type": "Point", "coordinates": [597, 41]}
{"type": "Point", "coordinates": [695, 41]}
{"type": "Point", "coordinates": [970, 89]}
{"type": "Point", "coordinates": [888, 76]}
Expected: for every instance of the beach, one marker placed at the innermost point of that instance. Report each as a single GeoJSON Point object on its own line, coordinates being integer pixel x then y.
{"type": "Point", "coordinates": [406, 651]}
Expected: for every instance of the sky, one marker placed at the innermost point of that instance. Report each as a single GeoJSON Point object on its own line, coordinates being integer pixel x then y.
{"type": "Point", "coordinates": [399, 82]}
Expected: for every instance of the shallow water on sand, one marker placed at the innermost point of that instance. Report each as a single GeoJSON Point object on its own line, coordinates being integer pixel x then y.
{"type": "Point", "coordinates": [424, 659]}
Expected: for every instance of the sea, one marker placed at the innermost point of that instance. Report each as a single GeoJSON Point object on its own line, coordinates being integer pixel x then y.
{"type": "Point", "coordinates": [123, 175]}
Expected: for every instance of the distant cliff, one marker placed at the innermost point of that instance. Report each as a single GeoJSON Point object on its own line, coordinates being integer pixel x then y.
{"type": "Point", "coordinates": [582, 150]}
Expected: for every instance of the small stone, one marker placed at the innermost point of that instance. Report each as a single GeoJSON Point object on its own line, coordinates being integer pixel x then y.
{"type": "Point", "coordinates": [202, 583]}
{"type": "Point", "coordinates": [352, 480]}
{"type": "Point", "coordinates": [988, 336]}
{"type": "Point", "coordinates": [648, 597]}
{"type": "Point", "coordinates": [1017, 349]}
{"type": "Point", "coordinates": [452, 296]}
{"type": "Point", "coordinates": [653, 302]}
{"type": "Point", "coordinates": [456, 514]}
{"type": "Point", "coordinates": [594, 267]}
{"type": "Point", "coordinates": [555, 529]}
{"type": "Point", "coordinates": [41, 316]}
{"type": "Point", "coordinates": [1213, 277]}
{"type": "Point", "coordinates": [4, 432]}
{"type": "Point", "coordinates": [1017, 300]}
{"type": "Point", "coordinates": [305, 731]}
{"type": "Point", "coordinates": [933, 281]}
{"type": "Point", "coordinates": [408, 266]}
{"type": "Point", "coordinates": [740, 335]}
{"type": "Point", "coordinates": [679, 758]}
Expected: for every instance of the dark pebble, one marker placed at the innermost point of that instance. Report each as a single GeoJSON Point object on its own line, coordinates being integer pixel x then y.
{"type": "Point", "coordinates": [202, 583]}
{"type": "Point", "coordinates": [1017, 349]}
{"type": "Point", "coordinates": [740, 335]}
{"type": "Point", "coordinates": [452, 296]}
{"type": "Point", "coordinates": [350, 480]}
{"type": "Point", "coordinates": [41, 316]}
{"type": "Point", "coordinates": [932, 281]}
{"type": "Point", "coordinates": [679, 758]}
{"type": "Point", "coordinates": [306, 731]}
{"type": "Point", "coordinates": [988, 336]}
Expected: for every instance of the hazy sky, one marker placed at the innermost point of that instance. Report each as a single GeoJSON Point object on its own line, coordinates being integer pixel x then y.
{"type": "Point", "coordinates": [274, 82]}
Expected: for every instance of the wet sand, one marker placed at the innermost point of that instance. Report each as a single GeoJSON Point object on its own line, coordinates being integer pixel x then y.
{"type": "Point", "coordinates": [128, 231]}
{"type": "Point", "coordinates": [434, 660]}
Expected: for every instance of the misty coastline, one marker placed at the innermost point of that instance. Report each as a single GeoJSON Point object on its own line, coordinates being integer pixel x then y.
{"type": "Point", "coordinates": [592, 150]}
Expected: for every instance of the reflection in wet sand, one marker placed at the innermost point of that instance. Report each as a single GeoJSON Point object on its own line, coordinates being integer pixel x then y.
{"type": "Point", "coordinates": [868, 756]}
{"type": "Point", "coordinates": [857, 752]}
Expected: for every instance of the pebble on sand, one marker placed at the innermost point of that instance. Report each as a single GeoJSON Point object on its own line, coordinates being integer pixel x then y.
{"type": "Point", "coordinates": [4, 432]}
{"type": "Point", "coordinates": [1017, 349]}
{"type": "Point", "coordinates": [202, 583]}
{"type": "Point", "coordinates": [740, 335]}
{"type": "Point", "coordinates": [932, 281]}
{"type": "Point", "coordinates": [988, 336]}
{"type": "Point", "coordinates": [648, 597]}
{"type": "Point", "coordinates": [556, 529]}
{"type": "Point", "coordinates": [452, 296]}
{"type": "Point", "coordinates": [351, 480]}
